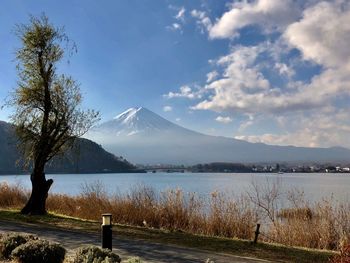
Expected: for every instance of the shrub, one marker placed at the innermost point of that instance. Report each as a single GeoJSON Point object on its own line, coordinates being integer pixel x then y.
{"type": "Point", "coordinates": [39, 251]}
{"type": "Point", "coordinates": [9, 242]}
{"type": "Point", "coordinates": [93, 254]}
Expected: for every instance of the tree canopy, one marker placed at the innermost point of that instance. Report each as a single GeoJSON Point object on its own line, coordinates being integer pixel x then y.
{"type": "Point", "coordinates": [48, 116]}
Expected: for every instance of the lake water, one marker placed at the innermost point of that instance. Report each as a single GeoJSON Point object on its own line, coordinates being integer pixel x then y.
{"type": "Point", "coordinates": [315, 185]}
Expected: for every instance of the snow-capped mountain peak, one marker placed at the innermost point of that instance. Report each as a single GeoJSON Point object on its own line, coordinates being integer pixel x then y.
{"type": "Point", "coordinates": [136, 120]}
{"type": "Point", "coordinates": [128, 114]}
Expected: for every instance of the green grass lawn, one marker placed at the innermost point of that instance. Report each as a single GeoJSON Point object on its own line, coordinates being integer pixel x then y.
{"type": "Point", "coordinates": [237, 247]}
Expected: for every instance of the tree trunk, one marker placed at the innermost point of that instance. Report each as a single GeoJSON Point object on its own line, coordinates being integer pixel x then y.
{"type": "Point", "coordinates": [36, 204]}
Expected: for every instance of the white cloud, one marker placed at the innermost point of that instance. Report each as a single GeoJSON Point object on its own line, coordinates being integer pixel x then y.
{"type": "Point", "coordinates": [243, 87]}
{"type": "Point", "coordinates": [224, 120]}
{"type": "Point", "coordinates": [203, 21]}
{"type": "Point", "coordinates": [174, 27]}
{"type": "Point", "coordinates": [271, 15]}
{"type": "Point", "coordinates": [167, 108]}
{"type": "Point", "coordinates": [284, 69]}
{"type": "Point", "coordinates": [321, 129]}
{"type": "Point", "coordinates": [181, 14]}
{"type": "Point", "coordinates": [323, 34]}
{"type": "Point", "coordinates": [178, 119]}
{"type": "Point", "coordinates": [212, 76]}
{"type": "Point", "coordinates": [245, 125]}
{"type": "Point", "coordinates": [179, 18]}
{"type": "Point", "coordinates": [185, 92]}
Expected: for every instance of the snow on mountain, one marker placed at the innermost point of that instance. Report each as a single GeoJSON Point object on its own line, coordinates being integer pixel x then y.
{"type": "Point", "coordinates": [137, 120]}
{"type": "Point", "coordinates": [144, 137]}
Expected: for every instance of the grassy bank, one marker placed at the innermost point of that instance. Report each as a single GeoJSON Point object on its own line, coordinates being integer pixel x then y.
{"type": "Point", "coordinates": [238, 247]}
{"type": "Point", "coordinates": [320, 225]}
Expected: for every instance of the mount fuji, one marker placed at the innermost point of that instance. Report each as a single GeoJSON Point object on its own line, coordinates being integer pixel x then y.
{"type": "Point", "coordinates": [144, 137]}
{"type": "Point", "coordinates": [139, 121]}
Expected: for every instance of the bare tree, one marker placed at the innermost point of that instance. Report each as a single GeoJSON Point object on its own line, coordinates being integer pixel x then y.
{"type": "Point", "coordinates": [265, 197]}
{"type": "Point", "coordinates": [47, 116]}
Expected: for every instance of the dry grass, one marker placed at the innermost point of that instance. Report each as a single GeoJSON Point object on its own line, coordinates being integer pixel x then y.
{"type": "Point", "coordinates": [12, 196]}
{"type": "Point", "coordinates": [323, 225]}
{"type": "Point", "coordinates": [171, 210]}
{"type": "Point", "coordinates": [344, 256]}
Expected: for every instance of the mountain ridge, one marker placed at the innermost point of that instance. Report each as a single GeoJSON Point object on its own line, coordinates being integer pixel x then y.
{"type": "Point", "coordinates": [144, 137]}
{"type": "Point", "coordinates": [85, 157]}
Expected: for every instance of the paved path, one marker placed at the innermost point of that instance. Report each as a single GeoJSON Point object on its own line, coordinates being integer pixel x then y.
{"type": "Point", "coordinates": [126, 248]}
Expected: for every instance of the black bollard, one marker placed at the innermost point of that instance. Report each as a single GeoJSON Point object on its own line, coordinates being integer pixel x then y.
{"type": "Point", "coordinates": [107, 231]}
{"type": "Point", "coordinates": [256, 234]}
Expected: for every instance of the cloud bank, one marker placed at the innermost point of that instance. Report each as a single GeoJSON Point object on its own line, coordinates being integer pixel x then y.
{"type": "Point", "coordinates": [267, 81]}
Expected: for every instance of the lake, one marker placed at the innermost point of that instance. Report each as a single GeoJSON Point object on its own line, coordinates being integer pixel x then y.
{"type": "Point", "coordinates": [315, 185]}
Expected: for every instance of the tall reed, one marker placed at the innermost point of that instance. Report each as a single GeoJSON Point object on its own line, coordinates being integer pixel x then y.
{"type": "Point", "coordinates": [12, 196]}
{"type": "Point", "coordinates": [323, 225]}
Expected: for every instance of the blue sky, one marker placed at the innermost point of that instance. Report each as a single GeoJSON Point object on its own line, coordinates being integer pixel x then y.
{"type": "Point", "coordinates": [260, 70]}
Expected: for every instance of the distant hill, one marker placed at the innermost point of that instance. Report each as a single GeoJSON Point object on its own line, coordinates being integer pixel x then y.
{"type": "Point", "coordinates": [144, 137]}
{"type": "Point", "coordinates": [85, 157]}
